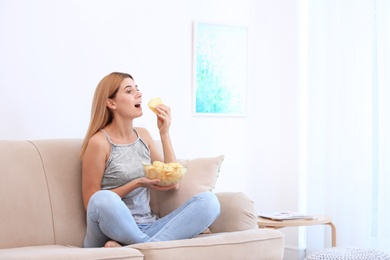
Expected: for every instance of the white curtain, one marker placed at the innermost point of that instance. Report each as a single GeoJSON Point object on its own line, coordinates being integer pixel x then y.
{"type": "Point", "coordinates": [348, 121]}
{"type": "Point", "coordinates": [381, 230]}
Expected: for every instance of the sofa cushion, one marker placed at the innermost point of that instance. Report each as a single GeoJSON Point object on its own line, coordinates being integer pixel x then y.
{"type": "Point", "coordinates": [53, 252]}
{"type": "Point", "coordinates": [202, 174]}
{"type": "Point", "coordinates": [62, 166]}
{"type": "Point", "coordinates": [26, 217]}
{"type": "Point", "coordinates": [229, 245]}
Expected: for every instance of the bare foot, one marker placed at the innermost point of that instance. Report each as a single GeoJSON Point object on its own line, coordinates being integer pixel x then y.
{"type": "Point", "coordinates": [112, 243]}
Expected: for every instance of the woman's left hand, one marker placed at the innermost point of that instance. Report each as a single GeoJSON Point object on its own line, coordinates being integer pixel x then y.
{"type": "Point", "coordinates": [153, 184]}
{"type": "Point", "coordinates": [163, 118]}
{"type": "Point", "coordinates": [164, 188]}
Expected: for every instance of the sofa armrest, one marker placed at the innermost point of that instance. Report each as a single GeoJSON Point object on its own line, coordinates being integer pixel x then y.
{"type": "Point", "coordinates": [237, 213]}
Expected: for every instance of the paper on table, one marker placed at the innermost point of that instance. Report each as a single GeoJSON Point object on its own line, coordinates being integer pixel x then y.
{"type": "Point", "coordinates": [285, 215]}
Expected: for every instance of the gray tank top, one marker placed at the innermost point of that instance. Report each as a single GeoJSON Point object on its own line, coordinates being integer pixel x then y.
{"type": "Point", "coordinates": [124, 165]}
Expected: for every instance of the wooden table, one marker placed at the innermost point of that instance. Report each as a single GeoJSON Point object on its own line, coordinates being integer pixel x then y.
{"type": "Point", "coordinates": [317, 220]}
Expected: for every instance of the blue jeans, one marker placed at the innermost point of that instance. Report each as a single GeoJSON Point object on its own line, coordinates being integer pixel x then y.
{"type": "Point", "coordinates": [108, 218]}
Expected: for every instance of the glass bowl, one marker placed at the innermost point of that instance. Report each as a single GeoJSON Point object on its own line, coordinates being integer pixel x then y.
{"type": "Point", "coordinates": [167, 173]}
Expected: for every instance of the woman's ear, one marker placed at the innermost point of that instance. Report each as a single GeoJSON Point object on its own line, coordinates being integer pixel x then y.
{"type": "Point", "coordinates": [110, 103]}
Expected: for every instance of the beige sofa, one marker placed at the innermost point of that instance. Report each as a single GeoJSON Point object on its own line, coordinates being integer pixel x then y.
{"type": "Point", "coordinates": [42, 214]}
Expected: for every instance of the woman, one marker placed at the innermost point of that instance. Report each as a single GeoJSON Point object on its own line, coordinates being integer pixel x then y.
{"type": "Point", "coordinates": [115, 192]}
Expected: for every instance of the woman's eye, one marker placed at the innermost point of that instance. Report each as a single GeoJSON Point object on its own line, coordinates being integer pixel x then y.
{"type": "Point", "coordinates": [130, 90]}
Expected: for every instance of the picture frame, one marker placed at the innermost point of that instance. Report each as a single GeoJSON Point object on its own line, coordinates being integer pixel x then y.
{"type": "Point", "coordinates": [220, 61]}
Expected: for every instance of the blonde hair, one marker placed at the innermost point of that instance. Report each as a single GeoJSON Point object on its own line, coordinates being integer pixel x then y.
{"type": "Point", "coordinates": [101, 115]}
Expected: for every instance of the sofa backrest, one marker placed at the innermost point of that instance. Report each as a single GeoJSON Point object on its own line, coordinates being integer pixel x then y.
{"type": "Point", "coordinates": [40, 193]}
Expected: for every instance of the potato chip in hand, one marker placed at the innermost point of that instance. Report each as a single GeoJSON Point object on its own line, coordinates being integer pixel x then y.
{"type": "Point", "coordinates": [153, 103]}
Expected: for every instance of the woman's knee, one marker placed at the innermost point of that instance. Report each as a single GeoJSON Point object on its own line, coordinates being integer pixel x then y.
{"type": "Point", "coordinates": [211, 203]}
{"type": "Point", "coordinates": [102, 198]}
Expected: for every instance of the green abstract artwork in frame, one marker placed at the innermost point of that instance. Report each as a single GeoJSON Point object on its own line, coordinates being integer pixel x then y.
{"type": "Point", "coordinates": [220, 67]}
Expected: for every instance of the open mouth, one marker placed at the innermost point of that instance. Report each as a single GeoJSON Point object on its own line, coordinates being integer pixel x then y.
{"type": "Point", "coordinates": [137, 105]}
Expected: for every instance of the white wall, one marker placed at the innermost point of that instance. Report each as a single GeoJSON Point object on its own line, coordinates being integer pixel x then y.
{"type": "Point", "coordinates": [53, 53]}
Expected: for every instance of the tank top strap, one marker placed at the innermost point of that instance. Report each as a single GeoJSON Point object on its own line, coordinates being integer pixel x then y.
{"type": "Point", "coordinates": [140, 139]}
{"type": "Point", "coordinates": [135, 130]}
{"type": "Point", "coordinates": [108, 137]}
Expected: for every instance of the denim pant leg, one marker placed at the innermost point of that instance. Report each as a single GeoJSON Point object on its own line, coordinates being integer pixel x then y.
{"type": "Point", "coordinates": [187, 221]}
{"type": "Point", "coordinates": [108, 218]}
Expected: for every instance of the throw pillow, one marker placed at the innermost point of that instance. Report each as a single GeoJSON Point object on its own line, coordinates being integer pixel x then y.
{"type": "Point", "coordinates": [202, 174]}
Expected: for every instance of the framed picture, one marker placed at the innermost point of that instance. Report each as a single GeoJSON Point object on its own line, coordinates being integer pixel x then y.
{"type": "Point", "coordinates": [220, 70]}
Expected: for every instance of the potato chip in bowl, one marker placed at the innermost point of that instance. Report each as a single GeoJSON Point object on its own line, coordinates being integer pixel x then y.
{"type": "Point", "coordinates": [168, 173]}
